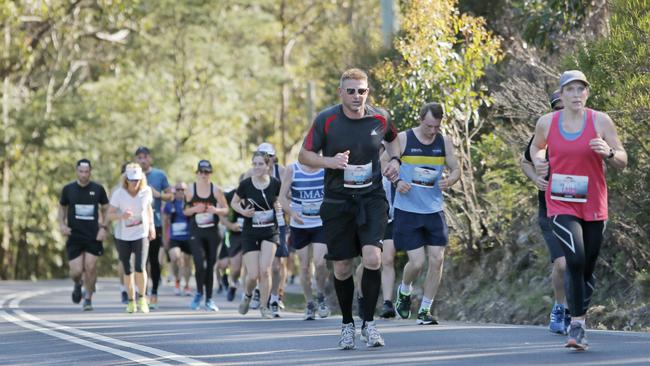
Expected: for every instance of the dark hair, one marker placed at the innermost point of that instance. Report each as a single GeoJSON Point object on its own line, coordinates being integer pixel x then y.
{"type": "Point", "coordinates": [267, 157]}
{"type": "Point", "coordinates": [434, 108]}
{"type": "Point", "coordinates": [142, 150]}
{"type": "Point", "coordinates": [84, 162]}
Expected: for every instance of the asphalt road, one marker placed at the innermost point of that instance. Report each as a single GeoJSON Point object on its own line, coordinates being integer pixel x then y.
{"type": "Point", "coordinates": [39, 325]}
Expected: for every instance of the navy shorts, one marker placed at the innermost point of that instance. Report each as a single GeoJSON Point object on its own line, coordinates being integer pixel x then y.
{"type": "Point", "coordinates": [414, 230]}
{"type": "Point", "coordinates": [283, 249]}
{"type": "Point", "coordinates": [301, 237]}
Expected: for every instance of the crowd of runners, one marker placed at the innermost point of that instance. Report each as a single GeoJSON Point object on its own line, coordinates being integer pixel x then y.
{"type": "Point", "coordinates": [360, 189]}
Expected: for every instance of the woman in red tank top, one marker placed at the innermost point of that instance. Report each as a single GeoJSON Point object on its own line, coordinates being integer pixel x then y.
{"type": "Point", "coordinates": [578, 140]}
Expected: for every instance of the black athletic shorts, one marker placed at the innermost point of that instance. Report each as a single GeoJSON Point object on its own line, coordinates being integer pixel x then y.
{"type": "Point", "coordinates": [251, 243]}
{"type": "Point", "coordinates": [552, 243]}
{"type": "Point", "coordinates": [183, 244]}
{"type": "Point", "coordinates": [353, 223]}
{"type": "Point", "coordinates": [301, 237]}
{"type": "Point", "coordinates": [223, 252]}
{"type": "Point", "coordinates": [235, 244]}
{"type": "Point", "coordinates": [75, 248]}
{"type": "Point", "coordinates": [388, 233]}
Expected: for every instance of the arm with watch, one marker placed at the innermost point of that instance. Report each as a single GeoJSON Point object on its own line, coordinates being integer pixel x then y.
{"type": "Point", "coordinates": [607, 144]}
{"type": "Point", "coordinates": [103, 222]}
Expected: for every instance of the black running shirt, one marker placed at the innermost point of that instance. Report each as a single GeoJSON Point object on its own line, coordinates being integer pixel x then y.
{"type": "Point", "coordinates": [83, 210]}
{"type": "Point", "coordinates": [263, 224]}
{"type": "Point", "coordinates": [333, 132]}
{"type": "Point", "coordinates": [541, 197]}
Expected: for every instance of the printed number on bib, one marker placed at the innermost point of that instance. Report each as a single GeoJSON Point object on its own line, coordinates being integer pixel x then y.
{"type": "Point", "coordinates": [569, 188]}
{"type": "Point", "coordinates": [311, 209]}
{"type": "Point", "coordinates": [84, 212]}
{"type": "Point", "coordinates": [179, 228]}
{"type": "Point", "coordinates": [263, 218]}
{"type": "Point", "coordinates": [204, 220]}
{"type": "Point", "coordinates": [358, 176]}
{"type": "Point", "coordinates": [424, 177]}
{"type": "Point", "coordinates": [134, 220]}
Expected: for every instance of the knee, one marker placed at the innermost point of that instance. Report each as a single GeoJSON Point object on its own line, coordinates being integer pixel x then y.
{"type": "Point", "coordinates": [320, 264]}
{"type": "Point", "coordinates": [372, 261]}
{"type": "Point", "coordinates": [560, 265]}
{"type": "Point", "coordinates": [417, 263]}
{"type": "Point", "coordinates": [342, 270]}
{"type": "Point", "coordinates": [305, 269]}
{"type": "Point", "coordinates": [265, 273]}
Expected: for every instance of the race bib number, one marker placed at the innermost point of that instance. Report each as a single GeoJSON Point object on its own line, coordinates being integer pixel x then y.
{"type": "Point", "coordinates": [569, 188]}
{"type": "Point", "coordinates": [263, 218]}
{"type": "Point", "coordinates": [84, 212]}
{"type": "Point", "coordinates": [179, 228]}
{"type": "Point", "coordinates": [204, 220]}
{"type": "Point", "coordinates": [358, 176]}
{"type": "Point", "coordinates": [424, 177]}
{"type": "Point", "coordinates": [135, 220]}
{"type": "Point", "coordinates": [310, 209]}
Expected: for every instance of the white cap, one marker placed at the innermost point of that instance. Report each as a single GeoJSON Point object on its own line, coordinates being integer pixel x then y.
{"type": "Point", "coordinates": [133, 172]}
{"type": "Point", "coordinates": [265, 147]}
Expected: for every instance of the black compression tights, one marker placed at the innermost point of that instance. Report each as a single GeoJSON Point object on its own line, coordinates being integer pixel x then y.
{"type": "Point", "coordinates": [204, 251]}
{"type": "Point", "coordinates": [154, 263]}
{"type": "Point", "coordinates": [580, 241]}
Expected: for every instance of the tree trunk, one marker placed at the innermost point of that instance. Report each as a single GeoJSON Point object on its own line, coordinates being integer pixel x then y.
{"type": "Point", "coordinates": [6, 167]}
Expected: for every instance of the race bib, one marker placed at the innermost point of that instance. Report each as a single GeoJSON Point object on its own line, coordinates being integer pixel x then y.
{"type": "Point", "coordinates": [263, 218]}
{"type": "Point", "coordinates": [179, 229]}
{"type": "Point", "coordinates": [310, 209]}
{"type": "Point", "coordinates": [204, 220]}
{"type": "Point", "coordinates": [424, 177]}
{"type": "Point", "coordinates": [134, 220]}
{"type": "Point", "coordinates": [569, 188]}
{"type": "Point", "coordinates": [240, 221]}
{"type": "Point", "coordinates": [84, 212]}
{"type": "Point", "coordinates": [357, 176]}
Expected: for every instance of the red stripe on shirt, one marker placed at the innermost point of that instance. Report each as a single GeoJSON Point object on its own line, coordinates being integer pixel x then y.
{"type": "Point", "coordinates": [381, 120]}
{"type": "Point", "coordinates": [328, 121]}
{"type": "Point", "coordinates": [309, 140]}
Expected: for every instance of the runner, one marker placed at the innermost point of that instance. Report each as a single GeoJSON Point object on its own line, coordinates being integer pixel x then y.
{"type": "Point", "coordinates": [124, 297]}
{"type": "Point", "coordinates": [177, 238]}
{"type": "Point", "coordinates": [419, 208]}
{"type": "Point", "coordinates": [354, 210]}
{"type": "Point", "coordinates": [578, 140]}
{"type": "Point", "coordinates": [560, 318]}
{"type": "Point", "coordinates": [234, 222]}
{"type": "Point", "coordinates": [205, 204]}
{"type": "Point", "coordinates": [131, 205]}
{"type": "Point", "coordinates": [388, 252]}
{"type": "Point", "coordinates": [256, 200]}
{"type": "Point", "coordinates": [83, 223]}
{"type": "Point", "coordinates": [304, 186]}
{"type": "Point", "coordinates": [161, 192]}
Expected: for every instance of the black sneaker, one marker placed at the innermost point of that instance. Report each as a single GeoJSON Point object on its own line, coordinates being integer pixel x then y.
{"type": "Point", "coordinates": [425, 318]}
{"type": "Point", "coordinates": [387, 310]}
{"type": "Point", "coordinates": [76, 293]}
{"type": "Point", "coordinates": [231, 293]}
{"type": "Point", "coordinates": [125, 298]}
{"type": "Point", "coordinates": [403, 305]}
{"type": "Point", "coordinates": [275, 309]}
{"type": "Point", "coordinates": [88, 305]}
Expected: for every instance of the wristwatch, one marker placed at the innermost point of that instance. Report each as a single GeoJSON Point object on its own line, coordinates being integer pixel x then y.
{"type": "Point", "coordinates": [612, 152]}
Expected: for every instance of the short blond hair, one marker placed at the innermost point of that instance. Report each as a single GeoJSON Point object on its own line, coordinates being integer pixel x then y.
{"type": "Point", "coordinates": [143, 182]}
{"type": "Point", "coordinates": [353, 74]}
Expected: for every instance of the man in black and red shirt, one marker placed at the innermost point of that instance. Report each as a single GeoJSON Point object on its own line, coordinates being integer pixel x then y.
{"type": "Point", "coordinates": [354, 210]}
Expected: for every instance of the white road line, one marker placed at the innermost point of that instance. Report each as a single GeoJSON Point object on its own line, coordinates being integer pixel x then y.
{"type": "Point", "coordinates": [58, 328]}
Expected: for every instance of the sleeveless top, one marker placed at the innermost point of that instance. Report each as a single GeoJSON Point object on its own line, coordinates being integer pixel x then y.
{"type": "Point", "coordinates": [307, 196]}
{"type": "Point", "coordinates": [577, 185]}
{"type": "Point", "coordinates": [204, 222]}
{"type": "Point", "coordinates": [422, 167]}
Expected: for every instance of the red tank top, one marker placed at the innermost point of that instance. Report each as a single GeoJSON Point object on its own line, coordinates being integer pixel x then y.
{"type": "Point", "coordinates": [577, 183]}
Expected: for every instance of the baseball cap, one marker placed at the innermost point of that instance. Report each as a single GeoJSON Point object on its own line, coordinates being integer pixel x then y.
{"type": "Point", "coordinates": [204, 166]}
{"type": "Point", "coordinates": [133, 172]}
{"type": "Point", "coordinates": [554, 98]}
{"type": "Point", "coordinates": [265, 147]}
{"type": "Point", "coordinates": [572, 75]}
{"type": "Point", "coordinates": [142, 150]}
{"type": "Point", "coordinates": [84, 163]}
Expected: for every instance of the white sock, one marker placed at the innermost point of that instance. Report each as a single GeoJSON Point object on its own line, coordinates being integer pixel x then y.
{"type": "Point", "coordinates": [274, 298]}
{"type": "Point", "coordinates": [405, 289]}
{"type": "Point", "coordinates": [426, 304]}
{"type": "Point", "coordinates": [582, 323]}
{"type": "Point", "coordinates": [122, 288]}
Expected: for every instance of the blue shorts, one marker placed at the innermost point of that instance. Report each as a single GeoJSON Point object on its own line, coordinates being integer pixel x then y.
{"type": "Point", "coordinates": [413, 230]}
{"type": "Point", "coordinates": [301, 237]}
{"type": "Point", "coordinates": [283, 250]}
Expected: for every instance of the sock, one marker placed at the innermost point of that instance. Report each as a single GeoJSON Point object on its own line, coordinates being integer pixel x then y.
{"type": "Point", "coordinates": [274, 298]}
{"type": "Point", "coordinates": [426, 304]}
{"type": "Point", "coordinates": [122, 288]}
{"type": "Point", "coordinates": [582, 322]}
{"type": "Point", "coordinates": [405, 289]}
{"type": "Point", "coordinates": [370, 286]}
{"type": "Point", "coordinates": [345, 294]}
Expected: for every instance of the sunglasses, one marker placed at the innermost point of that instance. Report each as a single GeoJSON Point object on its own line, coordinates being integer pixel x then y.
{"type": "Point", "coordinates": [360, 91]}
{"type": "Point", "coordinates": [133, 180]}
{"type": "Point", "coordinates": [204, 172]}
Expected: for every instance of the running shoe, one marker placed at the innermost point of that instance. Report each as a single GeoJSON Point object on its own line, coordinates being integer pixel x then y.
{"type": "Point", "coordinates": [577, 338]}
{"type": "Point", "coordinates": [210, 305]}
{"type": "Point", "coordinates": [323, 310]}
{"type": "Point", "coordinates": [220, 289]}
{"type": "Point", "coordinates": [425, 318]}
{"type": "Point", "coordinates": [131, 307]}
{"type": "Point", "coordinates": [310, 311]}
{"type": "Point", "coordinates": [142, 305]}
{"type": "Point", "coordinates": [245, 303]}
{"type": "Point", "coordinates": [403, 305]}
{"type": "Point", "coordinates": [231, 293]}
{"type": "Point", "coordinates": [153, 302]}
{"type": "Point", "coordinates": [360, 307]}
{"type": "Point", "coordinates": [556, 324]}
{"type": "Point", "coordinates": [255, 302]}
{"type": "Point", "coordinates": [187, 291]}
{"type": "Point", "coordinates": [281, 304]}
{"type": "Point", "coordinates": [267, 313]}
{"type": "Point", "coordinates": [177, 288]}
{"type": "Point", "coordinates": [371, 336]}
{"type": "Point", "coordinates": [348, 333]}
{"type": "Point", "coordinates": [196, 302]}
{"type": "Point", "coordinates": [88, 305]}
{"type": "Point", "coordinates": [387, 310]}
{"type": "Point", "coordinates": [275, 309]}
{"type": "Point", "coordinates": [76, 293]}
{"type": "Point", "coordinates": [125, 298]}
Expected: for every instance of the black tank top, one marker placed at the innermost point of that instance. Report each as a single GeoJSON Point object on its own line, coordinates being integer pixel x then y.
{"type": "Point", "coordinates": [204, 221]}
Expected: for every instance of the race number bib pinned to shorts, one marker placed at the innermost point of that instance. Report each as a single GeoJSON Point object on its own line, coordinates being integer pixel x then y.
{"type": "Point", "coordinates": [135, 220]}
{"type": "Point", "coordinates": [358, 176]}
{"type": "Point", "coordinates": [310, 209]}
{"type": "Point", "coordinates": [84, 212]}
{"type": "Point", "coordinates": [569, 188]}
{"type": "Point", "coordinates": [204, 220]}
{"type": "Point", "coordinates": [424, 177]}
{"type": "Point", "coordinates": [179, 228]}
{"type": "Point", "coordinates": [263, 218]}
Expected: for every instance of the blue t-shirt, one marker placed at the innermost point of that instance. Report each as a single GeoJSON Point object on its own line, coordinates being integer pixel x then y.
{"type": "Point", "coordinates": [158, 181]}
{"type": "Point", "coordinates": [180, 224]}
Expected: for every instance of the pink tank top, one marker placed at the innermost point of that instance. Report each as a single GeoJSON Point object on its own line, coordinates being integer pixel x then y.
{"type": "Point", "coordinates": [577, 183]}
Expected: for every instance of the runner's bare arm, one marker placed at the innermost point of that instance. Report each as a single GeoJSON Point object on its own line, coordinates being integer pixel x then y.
{"type": "Point", "coordinates": [451, 161]}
